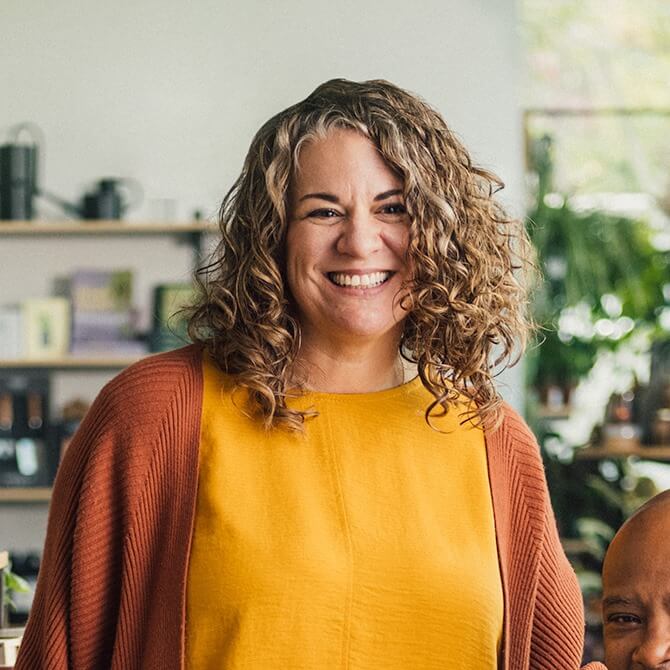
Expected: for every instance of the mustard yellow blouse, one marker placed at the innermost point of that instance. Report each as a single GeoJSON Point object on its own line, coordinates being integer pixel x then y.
{"type": "Point", "coordinates": [366, 543]}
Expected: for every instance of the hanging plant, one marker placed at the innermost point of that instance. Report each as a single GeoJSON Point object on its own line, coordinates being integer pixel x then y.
{"type": "Point", "coordinates": [585, 257]}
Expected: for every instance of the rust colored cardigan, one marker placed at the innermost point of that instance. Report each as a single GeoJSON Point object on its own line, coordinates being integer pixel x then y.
{"type": "Point", "coordinates": [112, 585]}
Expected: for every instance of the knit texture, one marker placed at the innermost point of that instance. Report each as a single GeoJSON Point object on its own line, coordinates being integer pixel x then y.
{"type": "Point", "coordinates": [111, 591]}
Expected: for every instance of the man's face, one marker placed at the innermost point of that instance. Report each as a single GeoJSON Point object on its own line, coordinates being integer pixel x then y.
{"type": "Point", "coordinates": [636, 594]}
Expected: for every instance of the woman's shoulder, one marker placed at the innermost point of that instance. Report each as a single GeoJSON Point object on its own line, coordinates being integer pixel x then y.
{"type": "Point", "coordinates": [157, 375]}
{"type": "Point", "coordinates": [165, 365]}
{"type": "Point", "coordinates": [513, 440]}
{"type": "Point", "coordinates": [123, 425]}
{"type": "Point", "coordinates": [141, 394]}
{"type": "Point", "coordinates": [514, 427]}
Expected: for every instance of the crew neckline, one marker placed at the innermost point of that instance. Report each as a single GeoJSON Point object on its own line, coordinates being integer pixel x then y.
{"type": "Point", "coordinates": [401, 390]}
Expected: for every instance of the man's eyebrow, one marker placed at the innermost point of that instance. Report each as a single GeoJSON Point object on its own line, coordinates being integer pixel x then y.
{"type": "Point", "coordinates": [333, 198]}
{"type": "Point", "coordinates": [612, 601]}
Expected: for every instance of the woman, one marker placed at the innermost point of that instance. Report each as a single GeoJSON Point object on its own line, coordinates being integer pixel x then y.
{"type": "Point", "coordinates": [328, 478]}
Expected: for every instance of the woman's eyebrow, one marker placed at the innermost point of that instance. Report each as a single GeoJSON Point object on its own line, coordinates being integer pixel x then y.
{"type": "Point", "coordinates": [333, 198]}
{"type": "Point", "coordinates": [388, 194]}
{"type": "Point", "coordinates": [321, 196]}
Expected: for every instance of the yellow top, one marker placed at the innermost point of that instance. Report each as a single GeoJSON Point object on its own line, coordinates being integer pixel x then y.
{"type": "Point", "coordinates": [366, 543]}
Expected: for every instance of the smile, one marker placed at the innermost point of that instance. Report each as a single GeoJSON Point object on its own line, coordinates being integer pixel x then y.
{"type": "Point", "coordinates": [360, 281]}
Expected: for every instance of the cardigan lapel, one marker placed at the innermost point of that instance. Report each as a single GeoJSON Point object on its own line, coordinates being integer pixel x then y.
{"type": "Point", "coordinates": [501, 520]}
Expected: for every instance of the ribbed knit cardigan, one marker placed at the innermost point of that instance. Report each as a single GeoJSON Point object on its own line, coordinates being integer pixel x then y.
{"type": "Point", "coordinates": [111, 591]}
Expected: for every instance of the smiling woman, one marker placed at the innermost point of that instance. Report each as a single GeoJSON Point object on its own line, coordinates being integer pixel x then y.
{"type": "Point", "coordinates": [346, 263]}
{"type": "Point", "coordinates": [380, 167]}
{"type": "Point", "coordinates": [330, 468]}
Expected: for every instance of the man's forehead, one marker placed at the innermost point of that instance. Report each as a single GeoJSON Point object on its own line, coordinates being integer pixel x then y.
{"type": "Point", "coordinates": [647, 531]}
{"type": "Point", "coordinates": [654, 515]}
{"type": "Point", "coordinates": [641, 561]}
{"type": "Point", "coordinates": [638, 558]}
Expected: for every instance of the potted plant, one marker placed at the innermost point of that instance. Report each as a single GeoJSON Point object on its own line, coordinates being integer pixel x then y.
{"type": "Point", "coordinates": [9, 584]}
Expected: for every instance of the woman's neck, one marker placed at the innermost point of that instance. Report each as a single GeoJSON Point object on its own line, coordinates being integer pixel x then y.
{"type": "Point", "coordinates": [349, 369]}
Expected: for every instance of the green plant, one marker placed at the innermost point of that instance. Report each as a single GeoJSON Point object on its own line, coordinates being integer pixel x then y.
{"type": "Point", "coordinates": [13, 584]}
{"type": "Point", "coordinates": [586, 255]}
{"type": "Point", "coordinates": [603, 282]}
{"type": "Point", "coordinates": [601, 266]}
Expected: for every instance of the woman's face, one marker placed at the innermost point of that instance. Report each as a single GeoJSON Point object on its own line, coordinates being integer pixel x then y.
{"type": "Point", "coordinates": [346, 242]}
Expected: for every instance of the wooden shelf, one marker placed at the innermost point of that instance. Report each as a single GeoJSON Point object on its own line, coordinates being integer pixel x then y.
{"type": "Point", "coordinates": [70, 363]}
{"type": "Point", "coordinates": [19, 494]}
{"type": "Point", "coordinates": [103, 227]}
{"type": "Point", "coordinates": [560, 412]}
{"type": "Point", "coordinates": [651, 453]}
{"type": "Point", "coordinates": [573, 546]}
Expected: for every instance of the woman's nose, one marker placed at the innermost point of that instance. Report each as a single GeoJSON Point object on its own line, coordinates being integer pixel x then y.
{"type": "Point", "coordinates": [654, 650]}
{"type": "Point", "coordinates": [361, 236]}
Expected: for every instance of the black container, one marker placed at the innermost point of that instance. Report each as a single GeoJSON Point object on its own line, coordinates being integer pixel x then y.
{"type": "Point", "coordinates": [105, 202]}
{"type": "Point", "coordinates": [18, 181]}
{"type": "Point", "coordinates": [28, 447]}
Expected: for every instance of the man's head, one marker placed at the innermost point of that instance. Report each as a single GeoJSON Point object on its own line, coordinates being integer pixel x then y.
{"type": "Point", "coordinates": [636, 590]}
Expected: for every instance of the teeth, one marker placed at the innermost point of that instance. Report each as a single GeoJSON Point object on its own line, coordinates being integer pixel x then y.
{"type": "Point", "coordinates": [359, 281]}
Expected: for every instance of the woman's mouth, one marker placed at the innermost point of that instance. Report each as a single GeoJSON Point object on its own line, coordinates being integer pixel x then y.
{"type": "Point", "coordinates": [359, 281]}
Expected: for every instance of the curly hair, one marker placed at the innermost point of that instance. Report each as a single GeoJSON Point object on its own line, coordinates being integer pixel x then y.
{"type": "Point", "coordinates": [467, 298]}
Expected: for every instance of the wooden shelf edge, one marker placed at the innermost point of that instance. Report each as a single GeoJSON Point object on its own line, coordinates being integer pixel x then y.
{"type": "Point", "coordinates": [546, 412]}
{"type": "Point", "coordinates": [70, 363]}
{"type": "Point", "coordinates": [104, 227]}
{"type": "Point", "coordinates": [651, 452]}
{"type": "Point", "coordinates": [573, 545]}
{"type": "Point", "coordinates": [25, 494]}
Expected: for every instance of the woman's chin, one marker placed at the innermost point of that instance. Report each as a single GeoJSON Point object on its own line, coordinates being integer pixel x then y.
{"type": "Point", "coordinates": [363, 329]}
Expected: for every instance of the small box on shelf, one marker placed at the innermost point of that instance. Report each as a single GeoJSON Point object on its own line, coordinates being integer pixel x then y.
{"type": "Point", "coordinates": [169, 328]}
{"type": "Point", "coordinates": [621, 436]}
{"type": "Point", "coordinates": [11, 332]}
{"type": "Point", "coordinates": [103, 317]}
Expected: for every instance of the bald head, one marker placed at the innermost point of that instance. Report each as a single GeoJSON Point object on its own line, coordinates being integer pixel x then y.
{"type": "Point", "coordinates": [656, 508]}
{"type": "Point", "coordinates": [636, 590]}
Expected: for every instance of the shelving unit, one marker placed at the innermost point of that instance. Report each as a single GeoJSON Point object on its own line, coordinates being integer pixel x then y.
{"type": "Point", "coordinates": [190, 233]}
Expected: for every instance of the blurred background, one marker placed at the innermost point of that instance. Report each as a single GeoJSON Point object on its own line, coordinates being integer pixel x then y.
{"type": "Point", "coordinates": [122, 125]}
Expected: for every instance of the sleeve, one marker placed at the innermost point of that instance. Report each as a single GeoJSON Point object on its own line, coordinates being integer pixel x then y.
{"type": "Point", "coordinates": [558, 619]}
{"type": "Point", "coordinates": [545, 602]}
{"type": "Point", "coordinates": [79, 569]}
{"type": "Point", "coordinates": [111, 586]}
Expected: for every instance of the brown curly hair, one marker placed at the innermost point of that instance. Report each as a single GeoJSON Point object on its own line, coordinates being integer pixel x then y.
{"type": "Point", "coordinates": [467, 298]}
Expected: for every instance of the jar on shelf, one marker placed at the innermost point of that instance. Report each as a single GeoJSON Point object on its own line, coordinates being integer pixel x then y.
{"type": "Point", "coordinates": [661, 427]}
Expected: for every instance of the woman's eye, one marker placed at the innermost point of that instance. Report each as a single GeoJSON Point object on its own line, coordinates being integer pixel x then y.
{"type": "Point", "coordinates": [324, 213]}
{"type": "Point", "coordinates": [395, 208]}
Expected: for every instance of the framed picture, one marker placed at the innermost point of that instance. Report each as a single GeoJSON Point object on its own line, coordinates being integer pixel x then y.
{"type": "Point", "coordinates": [46, 327]}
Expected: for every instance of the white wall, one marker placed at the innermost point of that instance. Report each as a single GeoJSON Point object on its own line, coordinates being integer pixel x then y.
{"type": "Point", "coordinates": [171, 93]}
